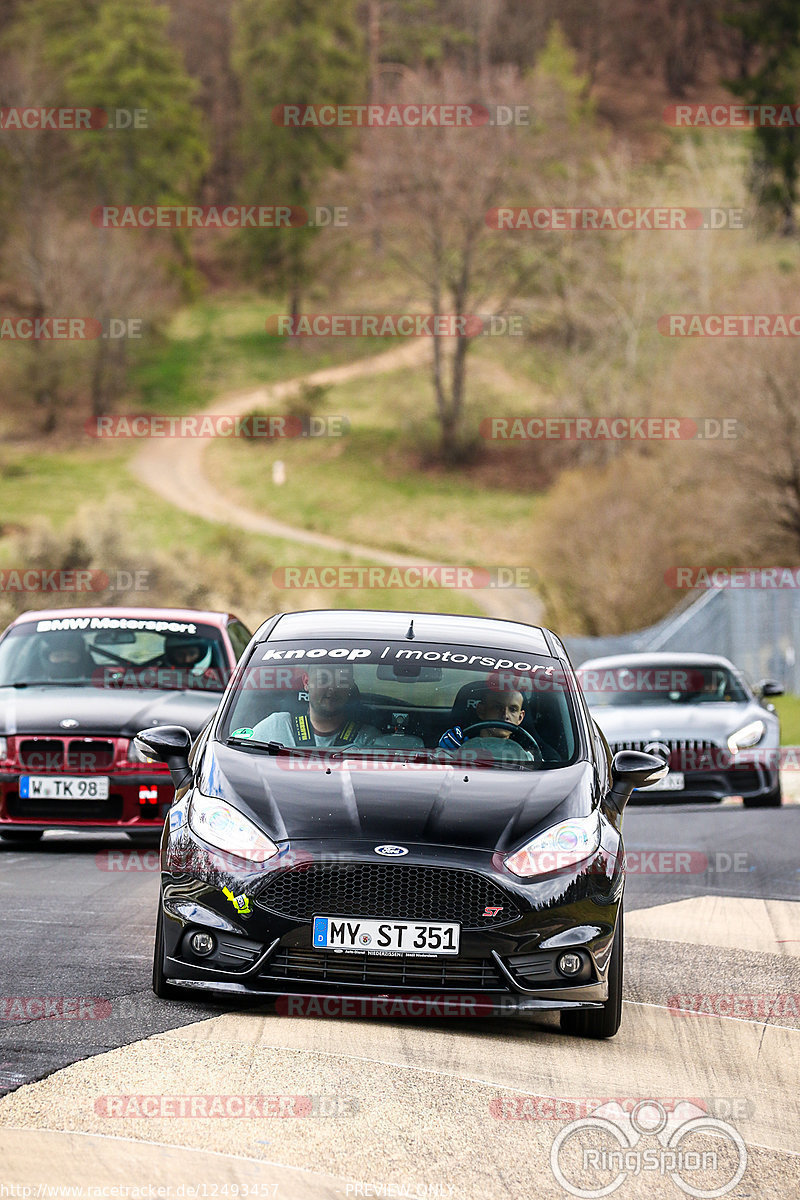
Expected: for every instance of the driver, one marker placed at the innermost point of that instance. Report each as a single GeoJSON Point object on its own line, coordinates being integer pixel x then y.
{"type": "Point", "coordinates": [66, 657]}
{"type": "Point", "coordinates": [493, 705]}
{"type": "Point", "coordinates": [331, 692]}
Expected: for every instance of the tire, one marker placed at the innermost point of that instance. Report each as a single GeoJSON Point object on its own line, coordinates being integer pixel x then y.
{"type": "Point", "coordinates": [773, 799]}
{"type": "Point", "coordinates": [161, 985]}
{"type": "Point", "coordinates": [23, 837]}
{"type": "Point", "coordinates": [601, 1022]}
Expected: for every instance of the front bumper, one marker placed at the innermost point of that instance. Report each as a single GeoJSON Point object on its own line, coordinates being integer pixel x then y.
{"type": "Point", "coordinates": [749, 779]}
{"type": "Point", "coordinates": [509, 964]}
{"type": "Point", "coordinates": [137, 800]}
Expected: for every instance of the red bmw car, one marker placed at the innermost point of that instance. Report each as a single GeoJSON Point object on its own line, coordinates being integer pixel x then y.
{"type": "Point", "coordinates": [76, 686]}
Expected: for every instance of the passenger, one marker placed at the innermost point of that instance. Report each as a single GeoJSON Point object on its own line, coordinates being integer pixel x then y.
{"type": "Point", "coordinates": [190, 659]}
{"type": "Point", "coordinates": [331, 720]}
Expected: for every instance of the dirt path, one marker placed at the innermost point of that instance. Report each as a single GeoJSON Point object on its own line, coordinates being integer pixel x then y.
{"type": "Point", "coordinates": [173, 469]}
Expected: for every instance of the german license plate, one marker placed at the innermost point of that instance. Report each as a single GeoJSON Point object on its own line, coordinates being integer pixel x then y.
{"type": "Point", "coordinates": [673, 782]}
{"type": "Point", "coordinates": [385, 937]}
{"type": "Point", "coordinates": [63, 787]}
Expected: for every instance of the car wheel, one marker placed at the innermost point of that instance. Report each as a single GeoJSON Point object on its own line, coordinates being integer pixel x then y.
{"type": "Point", "coordinates": [23, 837]}
{"type": "Point", "coordinates": [161, 985]}
{"type": "Point", "coordinates": [773, 799]}
{"type": "Point", "coordinates": [601, 1022]}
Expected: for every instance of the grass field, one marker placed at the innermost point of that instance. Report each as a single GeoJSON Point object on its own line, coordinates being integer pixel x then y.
{"type": "Point", "coordinates": [66, 481]}
{"type": "Point", "coordinates": [788, 709]}
{"type": "Point", "coordinates": [219, 345]}
{"type": "Point", "coordinates": [372, 485]}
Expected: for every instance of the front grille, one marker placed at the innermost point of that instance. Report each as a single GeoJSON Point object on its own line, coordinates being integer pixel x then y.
{"type": "Point", "coordinates": [383, 890]}
{"type": "Point", "coordinates": [41, 754]}
{"type": "Point", "coordinates": [71, 754]}
{"type": "Point", "coordinates": [375, 970]}
{"type": "Point", "coordinates": [685, 754]}
{"type": "Point", "coordinates": [86, 755]}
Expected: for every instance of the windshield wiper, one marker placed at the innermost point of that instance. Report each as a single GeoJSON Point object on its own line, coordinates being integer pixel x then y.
{"type": "Point", "coordinates": [50, 683]}
{"type": "Point", "coordinates": [272, 747]}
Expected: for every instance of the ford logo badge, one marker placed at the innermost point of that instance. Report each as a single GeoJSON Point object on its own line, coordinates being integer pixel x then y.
{"type": "Point", "coordinates": [391, 851]}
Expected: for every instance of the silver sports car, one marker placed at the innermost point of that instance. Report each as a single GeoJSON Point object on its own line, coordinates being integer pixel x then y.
{"type": "Point", "coordinates": [720, 736]}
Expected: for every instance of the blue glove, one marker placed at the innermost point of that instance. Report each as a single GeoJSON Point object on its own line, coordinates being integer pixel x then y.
{"type": "Point", "coordinates": [452, 738]}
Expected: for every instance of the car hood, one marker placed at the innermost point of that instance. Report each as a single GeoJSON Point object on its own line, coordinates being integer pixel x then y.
{"type": "Point", "coordinates": [482, 809]}
{"type": "Point", "coordinates": [122, 713]}
{"type": "Point", "coordinates": [702, 722]}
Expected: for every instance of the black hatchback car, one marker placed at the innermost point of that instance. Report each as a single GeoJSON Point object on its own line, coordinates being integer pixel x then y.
{"type": "Point", "coordinates": [397, 805]}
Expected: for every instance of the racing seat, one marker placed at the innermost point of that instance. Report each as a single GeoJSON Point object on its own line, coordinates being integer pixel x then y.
{"type": "Point", "coordinates": [293, 699]}
{"type": "Point", "coordinates": [543, 717]}
{"type": "Point", "coordinates": [258, 702]}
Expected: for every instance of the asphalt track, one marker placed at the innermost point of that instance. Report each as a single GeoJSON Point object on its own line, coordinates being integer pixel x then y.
{"type": "Point", "coordinates": [403, 1107]}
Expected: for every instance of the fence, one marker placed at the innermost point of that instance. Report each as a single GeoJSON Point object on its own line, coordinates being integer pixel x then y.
{"type": "Point", "coordinates": [758, 630]}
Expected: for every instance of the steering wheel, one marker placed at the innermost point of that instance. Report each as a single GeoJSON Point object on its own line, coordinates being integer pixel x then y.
{"type": "Point", "coordinates": [534, 745]}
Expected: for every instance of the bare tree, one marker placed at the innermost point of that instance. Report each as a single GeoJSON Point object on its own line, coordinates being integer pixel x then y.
{"type": "Point", "coordinates": [437, 189]}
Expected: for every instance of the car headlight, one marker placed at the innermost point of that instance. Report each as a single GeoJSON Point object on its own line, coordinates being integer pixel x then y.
{"type": "Point", "coordinates": [563, 845]}
{"type": "Point", "coordinates": [748, 735]}
{"type": "Point", "coordinates": [223, 826]}
{"type": "Point", "coordinates": [135, 754]}
{"type": "Point", "coordinates": [3, 748]}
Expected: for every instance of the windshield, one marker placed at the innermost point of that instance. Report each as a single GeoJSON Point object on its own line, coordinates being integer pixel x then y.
{"type": "Point", "coordinates": [657, 684]}
{"type": "Point", "coordinates": [114, 652]}
{"type": "Point", "coordinates": [436, 702]}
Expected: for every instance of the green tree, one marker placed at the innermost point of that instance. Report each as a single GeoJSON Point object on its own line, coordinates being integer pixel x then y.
{"type": "Point", "coordinates": [296, 52]}
{"type": "Point", "coordinates": [114, 55]}
{"type": "Point", "coordinates": [772, 77]}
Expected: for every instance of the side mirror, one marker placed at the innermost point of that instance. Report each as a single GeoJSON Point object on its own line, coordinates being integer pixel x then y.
{"type": "Point", "coordinates": [169, 744]}
{"type": "Point", "coordinates": [631, 769]}
{"type": "Point", "coordinates": [769, 687]}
